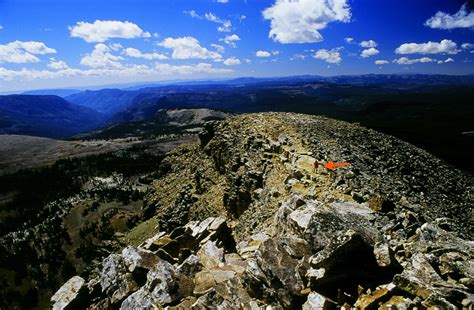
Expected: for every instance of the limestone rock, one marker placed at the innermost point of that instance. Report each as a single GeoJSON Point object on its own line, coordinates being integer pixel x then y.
{"type": "Point", "coordinates": [136, 257]}
{"type": "Point", "coordinates": [163, 283]}
{"type": "Point", "coordinates": [317, 301]}
{"type": "Point", "coordinates": [141, 299]}
{"type": "Point", "coordinates": [115, 280]}
{"type": "Point", "coordinates": [210, 255]}
{"type": "Point", "coordinates": [71, 295]}
{"type": "Point", "coordinates": [275, 259]}
{"type": "Point", "coordinates": [420, 279]}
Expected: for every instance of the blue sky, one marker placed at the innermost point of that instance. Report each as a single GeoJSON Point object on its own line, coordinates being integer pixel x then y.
{"type": "Point", "coordinates": [51, 44]}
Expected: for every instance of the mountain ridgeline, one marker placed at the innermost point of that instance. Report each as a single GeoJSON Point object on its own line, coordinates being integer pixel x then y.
{"type": "Point", "coordinates": [224, 194]}
{"type": "Point", "coordinates": [430, 111]}
{"type": "Point", "coordinates": [244, 220]}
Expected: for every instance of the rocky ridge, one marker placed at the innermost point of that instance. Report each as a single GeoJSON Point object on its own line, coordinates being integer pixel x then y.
{"type": "Point", "coordinates": [245, 221]}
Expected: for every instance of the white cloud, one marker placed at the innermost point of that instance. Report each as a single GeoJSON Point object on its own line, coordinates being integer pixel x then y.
{"type": "Point", "coordinates": [57, 65]}
{"type": "Point", "coordinates": [232, 61]}
{"type": "Point", "coordinates": [116, 46]}
{"type": "Point", "coordinates": [225, 24]}
{"type": "Point", "coordinates": [188, 69]}
{"type": "Point", "coordinates": [103, 30]}
{"type": "Point", "coordinates": [193, 14]}
{"type": "Point", "coordinates": [368, 44]}
{"type": "Point", "coordinates": [132, 71]}
{"type": "Point", "coordinates": [443, 47]}
{"type": "Point", "coordinates": [1, 27]}
{"type": "Point", "coordinates": [369, 52]}
{"type": "Point", "coordinates": [188, 48]}
{"type": "Point", "coordinates": [298, 57]}
{"type": "Point", "coordinates": [408, 61]}
{"type": "Point", "coordinates": [101, 57]}
{"type": "Point", "coordinates": [241, 18]}
{"type": "Point", "coordinates": [448, 60]}
{"type": "Point", "coordinates": [300, 21]}
{"type": "Point", "coordinates": [230, 40]}
{"type": "Point", "coordinates": [331, 56]}
{"type": "Point", "coordinates": [349, 40]}
{"type": "Point", "coordinates": [32, 47]}
{"type": "Point", "coordinates": [467, 46]}
{"type": "Point", "coordinates": [133, 52]}
{"type": "Point", "coordinates": [263, 54]}
{"type": "Point", "coordinates": [222, 1]}
{"type": "Point", "coordinates": [247, 60]}
{"type": "Point", "coordinates": [23, 51]}
{"type": "Point", "coordinates": [219, 48]}
{"type": "Point", "coordinates": [381, 62]}
{"type": "Point", "coordinates": [462, 19]}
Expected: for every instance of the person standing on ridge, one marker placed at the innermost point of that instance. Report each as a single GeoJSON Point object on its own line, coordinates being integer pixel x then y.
{"type": "Point", "coordinates": [315, 166]}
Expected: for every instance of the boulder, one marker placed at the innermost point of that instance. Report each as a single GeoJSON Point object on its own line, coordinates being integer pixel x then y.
{"type": "Point", "coordinates": [190, 266]}
{"type": "Point", "coordinates": [318, 302]}
{"type": "Point", "coordinates": [163, 283]}
{"type": "Point", "coordinates": [284, 262]}
{"type": "Point", "coordinates": [115, 280]}
{"type": "Point", "coordinates": [141, 299]}
{"type": "Point", "coordinates": [419, 278]}
{"type": "Point", "coordinates": [208, 279]}
{"type": "Point", "coordinates": [138, 258]}
{"type": "Point", "coordinates": [210, 255]}
{"type": "Point", "coordinates": [72, 295]}
{"type": "Point", "coordinates": [346, 263]}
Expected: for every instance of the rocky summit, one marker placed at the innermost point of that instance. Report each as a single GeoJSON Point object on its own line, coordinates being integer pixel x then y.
{"type": "Point", "coordinates": [244, 220]}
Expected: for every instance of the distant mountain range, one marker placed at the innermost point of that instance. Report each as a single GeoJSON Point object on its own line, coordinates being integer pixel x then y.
{"type": "Point", "coordinates": [430, 111]}
{"type": "Point", "coordinates": [47, 116]}
{"type": "Point", "coordinates": [54, 92]}
{"type": "Point", "coordinates": [106, 101]}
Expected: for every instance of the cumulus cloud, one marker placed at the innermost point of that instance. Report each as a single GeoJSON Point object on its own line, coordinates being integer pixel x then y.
{"type": "Point", "coordinates": [448, 60]}
{"type": "Point", "coordinates": [188, 48]}
{"type": "Point", "coordinates": [300, 21]}
{"type": "Point", "coordinates": [232, 61]}
{"type": "Point", "coordinates": [331, 56]}
{"type": "Point", "coordinates": [408, 61]}
{"type": "Point", "coordinates": [369, 52]}
{"type": "Point", "coordinates": [443, 47]}
{"type": "Point", "coordinates": [230, 40]}
{"type": "Point", "coordinates": [349, 40]}
{"type": "Point", "coordinates": [368, 44]}
{"type": "Point", "coordinates": [133, 52]}
{"type": "Point", "coordinates": [467, 46]}
{"type": "Point", "coordinates": [462, 19]}
{"type": "Point", "coordinates": [57, 65]}
{"type": "Point", "coordinates": [263, 54]}
{"type": "Point", "coordinates": [23, 51]}
{"type": "Point", "coordinates": [103, 30]}
{"type": "Point", "coordinates": [381, 62]}
{"type": "Point", "coordinates": [101, 57]}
